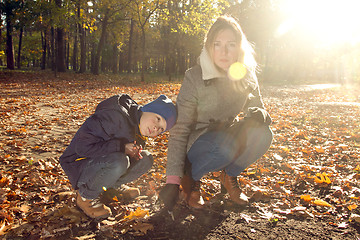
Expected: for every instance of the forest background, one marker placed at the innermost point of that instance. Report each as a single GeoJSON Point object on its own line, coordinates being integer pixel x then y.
{"type": "Point", "coordinates": [295, 41]}
{"type": "Point", "coordinates": [60, 58]}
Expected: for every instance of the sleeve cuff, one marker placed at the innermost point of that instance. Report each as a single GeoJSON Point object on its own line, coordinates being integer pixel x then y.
{"type": "Point", "coordinates": [172, 179]}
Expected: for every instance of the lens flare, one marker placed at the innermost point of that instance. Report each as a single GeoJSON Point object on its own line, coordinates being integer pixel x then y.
{"type": "Point", "coordinates": [237, 71]}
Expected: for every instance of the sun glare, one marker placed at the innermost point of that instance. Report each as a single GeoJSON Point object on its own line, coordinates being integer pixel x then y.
{"type": "Point", "coordinates": [329, 21]}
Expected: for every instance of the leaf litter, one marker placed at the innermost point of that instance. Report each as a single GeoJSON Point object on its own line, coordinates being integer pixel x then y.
{"type": "Point", "coordinates": [307, 180]}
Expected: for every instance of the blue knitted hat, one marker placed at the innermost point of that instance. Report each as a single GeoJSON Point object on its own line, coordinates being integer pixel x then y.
{"type": "Point", "coordinates": [165, 108]}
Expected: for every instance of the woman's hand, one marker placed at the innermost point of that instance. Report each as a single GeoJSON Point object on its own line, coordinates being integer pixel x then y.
{"type": "Point", "coordinates": [133, 150]}
{"type": "Point", "coordinates": [259, 115]}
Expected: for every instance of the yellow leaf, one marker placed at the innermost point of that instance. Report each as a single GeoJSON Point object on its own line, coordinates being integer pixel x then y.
{"type": "Point", "coordinates": [327, 179]}
{"type": "Point", "coordinates": [4, 181]}
{"type": "Point", "coordinates": [319, 150]}
{"type": "Point", "coordinates": [322, 177]}
{"type": "Point", "coordinates": [285, 149]}
{"type": "Point", "coordinates": [301, 135]}
{"type": "Point", "coordinates": [352, 207]}
{"type": "Point", "coordinates": [138, 213]}
{"type": "Point", "coordinates": [320, 202]}
{"type": "Point", "coordinates": [306, 198]}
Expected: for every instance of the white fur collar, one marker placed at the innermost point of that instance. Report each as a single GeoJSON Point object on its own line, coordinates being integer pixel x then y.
{"type": "Point", "coordinates": [208, 68]}
{"type": "Point", "coordinates": [209, 71]}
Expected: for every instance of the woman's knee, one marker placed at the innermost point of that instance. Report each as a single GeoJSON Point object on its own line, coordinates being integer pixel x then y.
{"type": "Point", "coordinates": [261, 134]}
{"type": "Point", "coordinates": [267, 136]}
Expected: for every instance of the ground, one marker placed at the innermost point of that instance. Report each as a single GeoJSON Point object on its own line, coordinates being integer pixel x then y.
{"type": "Point", "coordinates": [305, 187]}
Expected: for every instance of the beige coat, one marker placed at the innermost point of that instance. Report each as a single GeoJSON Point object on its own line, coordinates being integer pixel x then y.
{"type": "Point", "coordinates": [205, 95]}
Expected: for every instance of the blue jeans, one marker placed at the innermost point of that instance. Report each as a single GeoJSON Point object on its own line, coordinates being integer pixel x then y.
{"type": "Point", "coordinates": [219, 150]}
{"type": "Point", "coordinates": [111, 170]}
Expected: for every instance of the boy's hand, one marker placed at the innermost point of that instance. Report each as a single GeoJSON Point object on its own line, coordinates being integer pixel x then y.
{"type": "Point", "coordinates": [133, 150]}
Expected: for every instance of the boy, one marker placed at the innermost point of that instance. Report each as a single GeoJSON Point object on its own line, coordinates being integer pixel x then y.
{"type": "Point", "coordinates": [107, 150]}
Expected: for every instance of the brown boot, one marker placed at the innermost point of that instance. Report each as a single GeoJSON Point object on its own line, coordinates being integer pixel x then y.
{"type": "Point", "coordinates": [192, 193]}
{"type": "Point", "coordinates": [230, 184]}
{"type": "Point", "coordinates": [91, 209]}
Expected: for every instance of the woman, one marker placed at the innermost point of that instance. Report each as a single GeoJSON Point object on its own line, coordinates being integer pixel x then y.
{"type": "Point", "coordinates": [209, 101]}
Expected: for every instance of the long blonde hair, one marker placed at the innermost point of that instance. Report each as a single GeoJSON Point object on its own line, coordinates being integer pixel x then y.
{"type": "Point", "coordinates": [246, 51]}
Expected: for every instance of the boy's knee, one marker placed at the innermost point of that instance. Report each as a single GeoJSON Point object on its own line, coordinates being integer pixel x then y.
{"type": "Point", "coordinates": [119, 163]}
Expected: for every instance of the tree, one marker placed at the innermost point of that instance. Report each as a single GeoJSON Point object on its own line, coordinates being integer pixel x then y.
{"type": "Point", "coordinates": [27, 15]}
{"type": "Point", "coordinates": [130, 46]}
{"type": "Point", "coordinates": [143, 11]}
{"type": "Point", "coordinates": [109, 12]}
{"type": "Point", "coordinates": [182, 26]}
{"type": "Point", "coordinates": [60, 45]}
{"type": "Point", "coordinates": [9, 7]}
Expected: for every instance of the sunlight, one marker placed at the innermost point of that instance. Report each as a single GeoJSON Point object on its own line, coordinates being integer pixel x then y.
{"type": "Point", "coordinates": [329, 21]}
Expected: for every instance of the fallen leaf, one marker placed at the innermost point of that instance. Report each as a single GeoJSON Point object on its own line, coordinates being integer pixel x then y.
{"type": "Point", "coordinates": [247, 218]}
{"type": "Point", "coordinates": [306, 198]}
{"type": "Point", "coordinates": [343, 225]}
{"type": "Point", "coordinates": [25, 208]}
{"type": "Point", "coordinates": [143, 228]}
{"type": "Point", "coordinates": [319, 150]}
{"type": "Point", "coordinates": [320, 202]}
{"type": "Point", "coordinates": [352, 207]}
{"type": "Point", "coordinates": [322, 178]}
{"type": "Point", "coordinates": [138, 213]}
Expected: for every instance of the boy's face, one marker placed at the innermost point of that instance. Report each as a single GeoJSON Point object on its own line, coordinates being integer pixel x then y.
{"type": "Point", "coordinates": [151, 124]}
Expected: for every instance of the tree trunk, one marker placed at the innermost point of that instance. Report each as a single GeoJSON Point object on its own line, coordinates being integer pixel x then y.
{"type": "Point", "coordinates": [67, 58]}
{"type": "Point", "coordinates": [143, 58]}
{"type": "Point", "coordinates": [130, 46]}
{"type": "Point", "coordinates": [82, 34]}
{"type": "Point", "coordinates": [44, 46]}
{"type": "Point", "coordinates": [82, 50]}
{"type": "Point", "coordinates": [93, 55]}
{"type": "Point", "coordinates": [101, 43]}
{"type": "Point", "coordinates": [74, 57]}
{"type": "Point", "coordinates": [19, 49]}
{"type": "Point", "coordinates": [77, 30]}
{"type": "Point", "coordinates": [9, 42]}
{"type": "Point", "coordinates": [53, 55]}
{"type": "Point", "coordinates": [121, 62]}
{"type": "Point", "coordinates": [182, 61]}
{"type": "Point", "coordinates": [60, 50]}
{"type": "Point", "coordinates": [115, 61]}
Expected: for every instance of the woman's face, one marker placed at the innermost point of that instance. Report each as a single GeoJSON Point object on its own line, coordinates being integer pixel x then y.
{"type": "Point", "coordinates": [225, 49]}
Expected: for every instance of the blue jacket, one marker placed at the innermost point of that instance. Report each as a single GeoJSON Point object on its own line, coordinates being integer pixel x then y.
{"type": "Point", "coordinates": [114, 123]}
